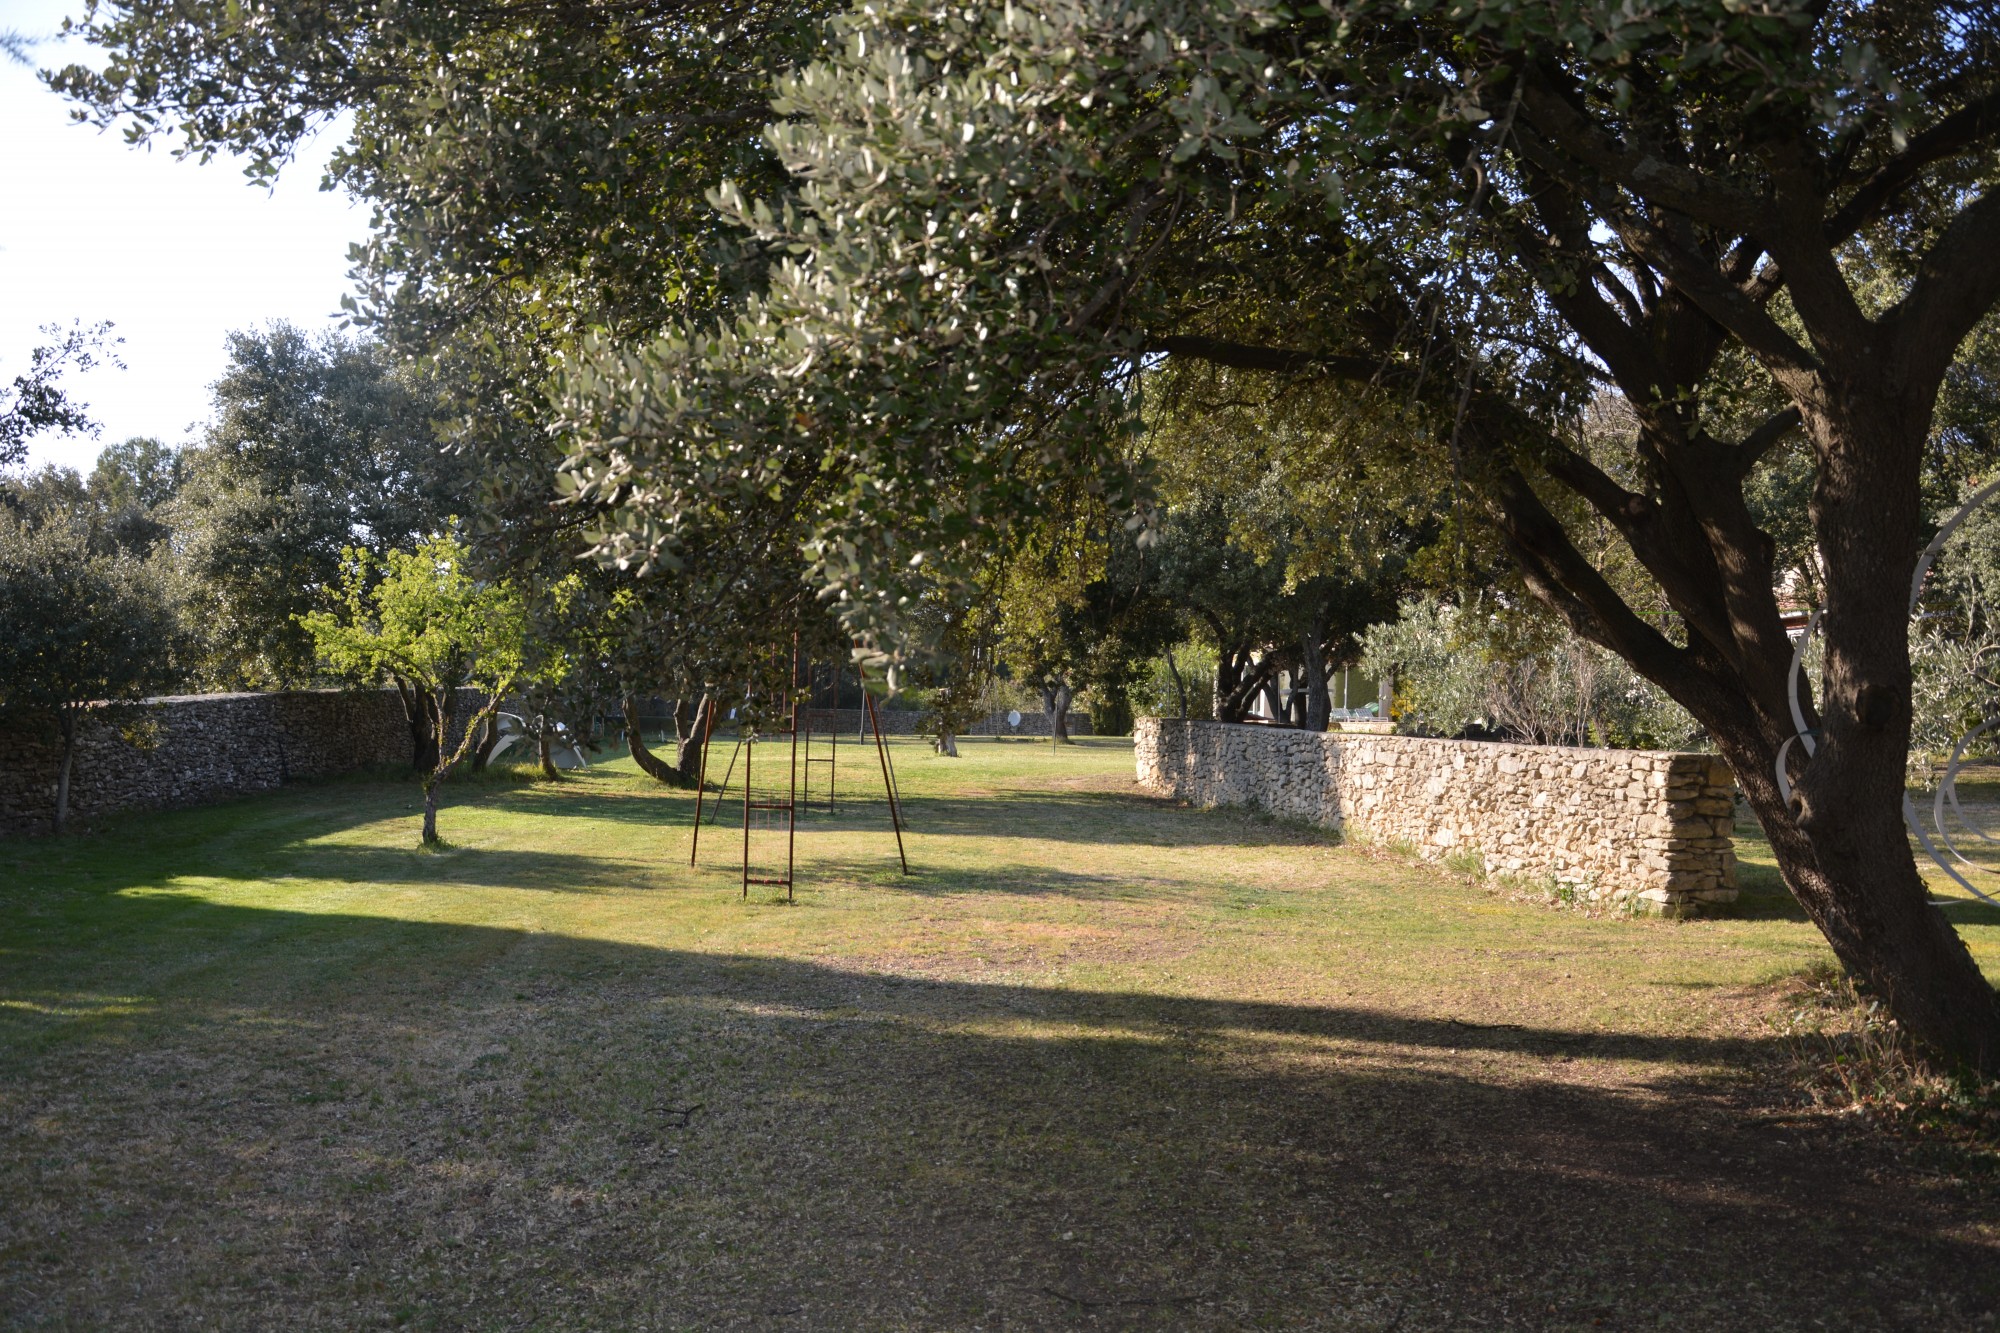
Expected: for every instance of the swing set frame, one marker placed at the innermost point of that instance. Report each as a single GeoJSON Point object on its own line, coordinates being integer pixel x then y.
{"type": "Point", "coordinates": [798, 729]}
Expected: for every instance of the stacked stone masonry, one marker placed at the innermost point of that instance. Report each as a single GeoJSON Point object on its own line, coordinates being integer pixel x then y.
{"type": "Point", "coordinates": [904, 722]}
{"type": "Point", "coordinates": [1647, 828]}
{"type": "Point", "coordinates": [194, 749]}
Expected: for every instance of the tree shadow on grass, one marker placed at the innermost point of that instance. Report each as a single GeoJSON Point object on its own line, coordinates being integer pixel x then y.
{"type": "Point", "coordinates": [470, 867]}
{"type": "Point", "coordinates": [884, 872]}
{"type": "Point", "coordinates": [654, 806]}
{"type": "Point", "coordinates": [1062, 814]}
{"type": "Point", "coordinates": [1967, 911]}
{"type": "Point", "coordinates": [364, 1119]}
{"type": "Point", "coordinates": [295, 845]}
{"type": "Point", "coordinates": [1133, 818]}
{"type": "Point", "coordinates": [1762, 895]}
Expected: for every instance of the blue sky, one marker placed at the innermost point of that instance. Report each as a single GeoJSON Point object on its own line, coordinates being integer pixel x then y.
{"type": "Point", "coordinates": [175, 254]}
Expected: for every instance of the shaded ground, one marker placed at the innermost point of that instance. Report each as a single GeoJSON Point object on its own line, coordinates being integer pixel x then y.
{"type": "Point", "coordinates": [1100, 1063]}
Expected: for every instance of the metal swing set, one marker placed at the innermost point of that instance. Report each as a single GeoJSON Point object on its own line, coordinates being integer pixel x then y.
{"type": "Point", "coordinates": [772, 813]}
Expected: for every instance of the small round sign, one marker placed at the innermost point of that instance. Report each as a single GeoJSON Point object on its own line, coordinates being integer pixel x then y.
{"type": "Point", "coordinates": [1014, 717]}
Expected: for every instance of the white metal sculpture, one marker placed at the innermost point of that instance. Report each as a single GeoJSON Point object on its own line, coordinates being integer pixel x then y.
{"type": "Point", "coordinates": [564, 752]}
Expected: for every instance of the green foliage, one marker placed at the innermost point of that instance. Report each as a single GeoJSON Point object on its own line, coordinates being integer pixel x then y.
{"type": "Point", "coordinates": [77, 628]}
{"type": "Point", "coordinates": [319, 445]}
{"type": "Point", "coordinates": [535, 172]}
{"type": "Point", "coordinates": [1080, 609]}
{"type": "Point", "coordinates": [1441, 688]}
{"type": "Point", "coordinates": [569, 639]}
{"type": "Point", "coordinates": [35, 401]}
{"type": "Point", "coordinates": [1484, 669]}
{"type": "Point", "coordinates": [416, 618]}
{"type": "Point", "coordinates": [1111, 715]}
{"type": "Point", "coordinates": [953, 685]}
{"type": "Point", "coordinates": [131, 485]}
{"type": "Point", "coordinates": [1467, 861]}
{"type": "Point", "coordinates": [122, 506]}
{"type": "Point", "coordinates": [947, 294]}
{"type": "Point", "coordinates": [1159, 694]}
{"type": "Point", "coordinates": [1955, 643]}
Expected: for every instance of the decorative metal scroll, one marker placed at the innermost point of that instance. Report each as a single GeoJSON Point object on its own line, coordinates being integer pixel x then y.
{"type": "Point", "coordinates": [1947, 790]}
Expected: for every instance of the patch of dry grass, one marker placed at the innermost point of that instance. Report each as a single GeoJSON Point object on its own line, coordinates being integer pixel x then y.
{"type": "Point", "coordinates": [1850, 1058]}
{"type": "Point", "coordinates": [1101, 1062]}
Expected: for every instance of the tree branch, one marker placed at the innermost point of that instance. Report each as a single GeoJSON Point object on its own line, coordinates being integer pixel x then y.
{"type": "Point", "coordinates": [1792, 365]}
{"type": "Point", "coordinates": [1765, 438]}
{"type": "Point", "coordinates": [1961, 130]}
{"type": "Point", "coordinates": [1278, 360]}
{"type": "Point", "coordinates": [1560, 576]}
{"type": "Point", "coordinates": [1957, 284]}
{"type": "Point", "coordinates": [1644, 174]}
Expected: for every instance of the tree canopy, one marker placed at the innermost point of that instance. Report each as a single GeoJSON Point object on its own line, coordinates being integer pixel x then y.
{"type": "Point", "coordinates": [942, 275]}
{"type": "Point", "coordinates": [417, 619]}
{"type": "Point", "coordinates": [319, 443]}
{"type": "Point", "coordinates": [77, 628]}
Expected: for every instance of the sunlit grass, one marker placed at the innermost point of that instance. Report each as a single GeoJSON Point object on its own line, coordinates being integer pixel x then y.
{"type": "Point", "coordinates": [1096, 1060]}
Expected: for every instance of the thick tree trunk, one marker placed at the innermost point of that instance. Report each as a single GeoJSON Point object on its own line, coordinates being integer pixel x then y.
{"type": "Point", "coordinates": [1319, 701]}
{"type": "Point", "coordinates": [1055, 702]}
{"type": "Point", "coordinates": [67, 722]}
{"type": "Point", "coordinates": [1842, 844]}
{"type": "Point", "coordinates": [690, 730]}
{"type": "Point", "coordinates": [549, 769]}
{"type": "Point", "coordinates": [431, 810]}
{"type": "Point", "coordinates": [1851, 864]}
{"type": "Point", "coordinates": [1224, 688]}
{"type": "Point", "coordinates": [1237, 680]}
{"type": "Point", "coordinates": [649, 763]}
{"type": "Point", "coordinates": [1385, 695]}
{"type": "Point", "coordinates": [946, 744]}
{"type": "Point", "coordinates": [1866, 897]}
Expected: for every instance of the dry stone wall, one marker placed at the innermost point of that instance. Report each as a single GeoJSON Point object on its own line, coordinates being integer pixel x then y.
{"type": "Point", "coordinates": [906, 722]}
{"type": "Point", "coordinates": [194, 749]}
{"type": "Point", "coordinates": [1646, 827]}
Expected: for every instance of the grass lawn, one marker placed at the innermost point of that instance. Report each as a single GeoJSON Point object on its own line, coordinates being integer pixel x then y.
{"type": "Point", "coordinates": [1099, 1062]}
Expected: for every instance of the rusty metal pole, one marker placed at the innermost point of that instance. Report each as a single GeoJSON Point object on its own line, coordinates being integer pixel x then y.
{"type": "Point", "coordinates": [749, 748]}
{"type": "Point", "coordinates": [792, 806]}
{"type": "Point", "coordinates": [701, 782]}
{"type": "Point", "coordinates": [794, 700]}
{"type": "Point", "coordinates": [888, 782]}
{"type": "Point", "coordinates": [715, 813]}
